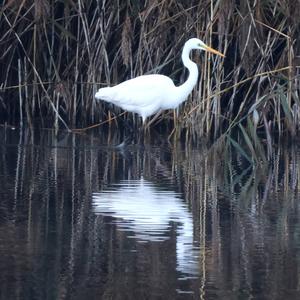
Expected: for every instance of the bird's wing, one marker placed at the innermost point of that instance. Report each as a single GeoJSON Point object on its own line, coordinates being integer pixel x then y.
{"type": "Point", "coordinates": [141, 91]}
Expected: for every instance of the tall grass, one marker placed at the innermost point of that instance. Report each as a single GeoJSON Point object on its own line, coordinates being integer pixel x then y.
{"type": "Point", "coordinates": [54, 55]}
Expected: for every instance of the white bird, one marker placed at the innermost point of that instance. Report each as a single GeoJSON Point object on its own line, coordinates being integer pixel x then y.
{"type": "Point", "coordinates": [148, 94]}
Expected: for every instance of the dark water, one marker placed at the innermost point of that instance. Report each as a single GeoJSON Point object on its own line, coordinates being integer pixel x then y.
{"type": "Point", "coordinates": [80, 220]}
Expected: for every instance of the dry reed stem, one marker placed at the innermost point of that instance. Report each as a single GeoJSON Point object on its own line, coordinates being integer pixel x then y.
{"type": "Point", "coordinates": [99, 124]}
{"type": "Point", "coordinates": [240, 83]}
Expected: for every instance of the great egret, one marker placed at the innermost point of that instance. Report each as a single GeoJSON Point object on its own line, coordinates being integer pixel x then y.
{"type": "Point", "coordinates": [148, 94]}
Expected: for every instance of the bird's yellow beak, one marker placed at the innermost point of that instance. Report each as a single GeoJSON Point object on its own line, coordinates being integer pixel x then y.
{"type": "Point", "coordinates": [211, 50]}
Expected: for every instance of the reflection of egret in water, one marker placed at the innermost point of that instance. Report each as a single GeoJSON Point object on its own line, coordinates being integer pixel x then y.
{"type": "Point", "coordinates": [147, 211]}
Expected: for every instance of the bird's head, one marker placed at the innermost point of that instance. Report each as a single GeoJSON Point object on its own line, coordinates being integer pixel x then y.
{"type": "Point", "coordinates": [195, 43]}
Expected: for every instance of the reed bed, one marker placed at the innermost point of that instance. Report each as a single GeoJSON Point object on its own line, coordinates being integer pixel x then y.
{"type": "Point", "coordinates": [54, 56]}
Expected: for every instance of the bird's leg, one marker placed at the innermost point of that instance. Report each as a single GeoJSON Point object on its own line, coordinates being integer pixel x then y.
{"type": "Point", "coordinates": [141, 133]}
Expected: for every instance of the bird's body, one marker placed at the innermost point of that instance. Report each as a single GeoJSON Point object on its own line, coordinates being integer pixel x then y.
{"type": "Point", "coordinates": [148, 94]}
{"type": "Point", "coordinates": [143, 90]}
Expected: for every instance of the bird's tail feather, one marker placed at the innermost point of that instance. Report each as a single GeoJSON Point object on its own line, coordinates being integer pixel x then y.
{"type": "Point", "coordinates": [103, 94]}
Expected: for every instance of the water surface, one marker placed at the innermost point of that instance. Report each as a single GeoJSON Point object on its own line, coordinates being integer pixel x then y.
{"type": "Point", "coordinates": [82, 220]}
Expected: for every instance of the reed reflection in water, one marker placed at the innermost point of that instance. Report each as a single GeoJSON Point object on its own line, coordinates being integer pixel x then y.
{"type": "Point", "coordinates": [72, 224]}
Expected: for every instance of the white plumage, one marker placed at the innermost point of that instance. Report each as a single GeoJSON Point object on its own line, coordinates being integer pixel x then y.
{"type": "Point", "coordinates": [148, 94]}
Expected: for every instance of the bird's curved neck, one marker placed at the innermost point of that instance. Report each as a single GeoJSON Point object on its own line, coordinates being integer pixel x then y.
{"type": "Point", "coordinates": [189, 84]}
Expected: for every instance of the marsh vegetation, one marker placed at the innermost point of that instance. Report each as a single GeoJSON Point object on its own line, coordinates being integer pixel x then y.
{"type": "Point", "coordinates": [54, 55]}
